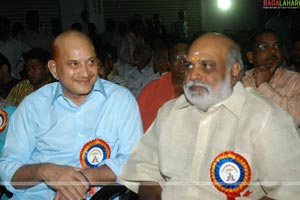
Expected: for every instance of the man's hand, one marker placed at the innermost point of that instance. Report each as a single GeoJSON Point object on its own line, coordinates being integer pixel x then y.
{"type": "Point", "coordinates": [261, 75]}
{"type": "Point", "coordinates": [149, 191]}
{"type": "Point", "coordinates": [59, 196]}
{"type": "Point", "coordinates": [249, 81]}
{"type": "Point", "coordinates": [68, 182]}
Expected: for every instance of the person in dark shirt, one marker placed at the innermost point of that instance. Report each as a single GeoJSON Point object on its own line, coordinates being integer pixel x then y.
{"type": "Point", "coordinates": [7, 81]}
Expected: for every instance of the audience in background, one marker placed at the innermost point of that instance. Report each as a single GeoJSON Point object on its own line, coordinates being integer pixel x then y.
{"type": "Point", "coordinates": [35, 35]}
{"type": "Point", "coordinates": [119, 36]}
{"type": "Point", "coordinates": [268, 76]}
{"type": "Point", "coordinates": [141, 72]}
{"type": "Point", "coordinates": [132, 39]}
{"type": "Point", "coordinates": [6, 110]}
{"type": "Point", "coordinates": [17, 30]}
{"type": "Point", "coordinates": [295, 55]}
{"type": "Point", "coordinates": [108, 70]}
{"type": "Point", "coordinates": [37, 75]}
{"type": "Point", "coordinates": [168, 86]}
{"type": "Point", "coordinates": [12, 48]}
{"type": "Point", "coordinates": [7, 81]}
{"type": "Point", "coordinates": [161, 58]}
{"type": "Point", "coordinates": [109, 33]}
{"type": "Point", "coordinates": [180, 27]}
{"type": "Point", "coordinates": [281, 25]}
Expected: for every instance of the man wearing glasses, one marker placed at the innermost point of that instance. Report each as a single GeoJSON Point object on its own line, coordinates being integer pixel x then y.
{"type": "Point", "coordinates": [168, 86]}
{"type": "Point", "coordinates": [269, 77]}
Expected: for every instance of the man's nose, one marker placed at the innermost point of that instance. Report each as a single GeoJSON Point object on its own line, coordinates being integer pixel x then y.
{"type": "Point", "coordinates": [195, 73]}
{"type": "Point", "coordinates": [83, 69]}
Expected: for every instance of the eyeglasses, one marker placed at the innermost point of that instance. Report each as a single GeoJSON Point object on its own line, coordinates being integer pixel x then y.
{"type": "Point", "coordinates": [267, 46]}
{"type": "Point", "coordinates": [179, 56]}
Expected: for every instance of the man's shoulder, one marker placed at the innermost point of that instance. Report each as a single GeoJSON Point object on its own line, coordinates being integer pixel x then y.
{"type": "Point", "coordinates": [288, 78]}
{"type": "Point", "coordinates": [291, 73]}
{"type": "Point", "coordinates": [154, 84]}
{"type": "Point", "coordinates": [113, 89]}
{"type": "Point", "coordinates": [175, 104]}
{"type": "Point", "coordinates": [48, 91]}
{"type": "Point", "coordinates": [23, 83]}
{"type": "Point", "coordinates": [261, 103]}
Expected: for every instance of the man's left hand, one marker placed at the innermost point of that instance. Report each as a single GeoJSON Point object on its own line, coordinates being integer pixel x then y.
{"type": "Point", "coordinates": [262, 75]}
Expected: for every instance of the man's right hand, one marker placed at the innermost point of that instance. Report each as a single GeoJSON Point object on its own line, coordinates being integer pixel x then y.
{"type": "Point", "coordinates": [68, 182]}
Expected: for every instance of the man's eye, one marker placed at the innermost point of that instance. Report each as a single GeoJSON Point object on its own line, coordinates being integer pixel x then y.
{"type": "Point", "coordinates": [277, 46]}
{"type": "Point", "coordinates": [188, 65]}
{"type": "Point", "coordinates": [207, 65]}
{"type": "Point", "coordinates": [74, 64]}
{"type": "Point", "coordinates": [262, 46]}
{"type": "Point", "coordinates": [91, 62]}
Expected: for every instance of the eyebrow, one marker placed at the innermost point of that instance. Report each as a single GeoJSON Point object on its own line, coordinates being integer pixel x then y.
{"type": "Point", "coordinates": [75, 60]}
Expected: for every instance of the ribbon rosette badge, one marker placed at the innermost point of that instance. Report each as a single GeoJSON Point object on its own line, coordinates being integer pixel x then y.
{"type": "Point", "coordinates": [230, 174]}
{"type": "Point", "coordinates": [3, 120]}
{"type": "Point", "coordinates": [93, 153]}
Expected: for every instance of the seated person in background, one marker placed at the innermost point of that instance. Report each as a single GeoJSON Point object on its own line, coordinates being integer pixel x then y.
{"type": "Point", "coordinates": [70, 134]}
{"type": "Point", "coordinates": [7, 81]}
{"type": "Point", "coordinates": [108, 70]}
{"type": "Point", "coordinates": [12, 48]}
{"type": "Point", "coordinates": [141, 73]}
{"type": "Point", "coordinates": [295, 55]}
{"type": "Point", "coordinates": [217, 134]}
{"type": "Point", "coordinates": [169, 86]}
{"type": "Point", "coordinates": [268, 76]}
{"type": "Point", "coordinates": [6, 110]}
{"type": "Point", "coordinates": [161, 59]}
{"type": "Point", "coordinates": [37, 74]}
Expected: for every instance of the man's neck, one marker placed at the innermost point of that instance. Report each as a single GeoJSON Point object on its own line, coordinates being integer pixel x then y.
{"type": "Point", "coordinates": [41, 84]}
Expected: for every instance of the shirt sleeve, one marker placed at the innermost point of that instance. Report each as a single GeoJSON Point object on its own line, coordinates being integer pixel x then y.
{"type": "Point", "coordinates": [143, 164]}
{"type": "Point", "coordinates": [290, 103]}
{"type": "Point", "coordinates": [18, 145]}
{"type": "Point", "coordinates": [278, 162]}
{"type": "Point", "coordinates": [129, 132]}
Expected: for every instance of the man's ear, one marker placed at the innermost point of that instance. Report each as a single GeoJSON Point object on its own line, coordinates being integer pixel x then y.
{"type": "Point", "coordinates": [52, 68]}
{"type": "Point", "coordinates": [250, 57]}
{"type": "Point", "coordinates": [235, 72]}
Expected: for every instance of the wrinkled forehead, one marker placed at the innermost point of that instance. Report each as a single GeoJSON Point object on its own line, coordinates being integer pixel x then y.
{"type": "Point", "coordinates": [204, 49]}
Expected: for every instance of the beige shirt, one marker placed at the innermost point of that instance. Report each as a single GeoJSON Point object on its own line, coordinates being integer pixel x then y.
{"type": "Point", "coordinates": [283, 89]}
{"type": "Point", "coordinates": [178, 149]}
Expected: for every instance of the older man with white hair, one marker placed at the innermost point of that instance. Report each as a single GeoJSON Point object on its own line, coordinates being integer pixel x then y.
{"type": "Point", "coordinates": [218, 140]}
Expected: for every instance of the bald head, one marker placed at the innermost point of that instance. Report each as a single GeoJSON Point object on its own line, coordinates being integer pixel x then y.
{"type": "Point", "coordinates": [66, 39]}
{"type": "Point", "coordinates": [214, 63]}
{"type": "Point", "coordinates": [220, 49]}
{"type": "Point", "coordinates": [214, 42]}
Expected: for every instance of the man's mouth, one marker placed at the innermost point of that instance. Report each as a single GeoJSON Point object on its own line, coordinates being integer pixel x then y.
{"type": "Point", "coordinates": [272, 58]}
